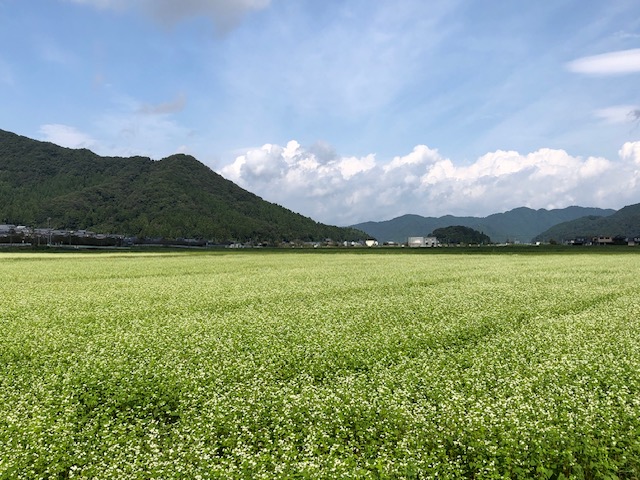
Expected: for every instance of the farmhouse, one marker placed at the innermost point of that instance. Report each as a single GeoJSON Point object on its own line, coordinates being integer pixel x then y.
{"type": "Point", "coordinates": [603, 240]}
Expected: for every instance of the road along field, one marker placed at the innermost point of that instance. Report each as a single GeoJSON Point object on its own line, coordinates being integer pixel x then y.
{"type": "Point", "coordinates": [314, 365]}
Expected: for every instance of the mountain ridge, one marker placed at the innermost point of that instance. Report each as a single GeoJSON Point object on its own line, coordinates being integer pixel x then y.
{"type": "Point", "coordinates": [623, 223]}
{"type": "Point", "coordinates": [176, 197]}
{"type": "Point", "coordinates": [520, 224]}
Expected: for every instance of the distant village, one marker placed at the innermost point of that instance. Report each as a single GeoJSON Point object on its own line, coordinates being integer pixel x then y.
{"type": "Point", "coordinates": [17, 235]}
{"type": "Point", "coordinates": [599, 240]}
{"type": "Point", "coordinates": [24, 236]}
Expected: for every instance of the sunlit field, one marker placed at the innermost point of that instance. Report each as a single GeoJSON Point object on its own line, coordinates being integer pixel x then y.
{"type": "Point", "coordinates": [320, 365]}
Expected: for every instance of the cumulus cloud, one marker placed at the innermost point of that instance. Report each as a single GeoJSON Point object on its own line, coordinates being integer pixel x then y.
{"type": "Point", "coordinates": [631, 151]}
{"type": "Point", "coordinates": [295, 168]}
{"type": "Point", "coordinates": [348, 190]}
{"type": "Point", "coordinates": [225, 14]}
{"type": "Point", "coordinates": [612, 63]}
{"type": "Point", "coordinates": [420, 155]}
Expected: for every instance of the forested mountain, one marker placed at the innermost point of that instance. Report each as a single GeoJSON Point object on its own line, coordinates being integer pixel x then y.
{"type": "Point", "coordinates": [178, 197]}
{"type": "Point", "coordinates": [624, 223]}
{"type": "Point", "coordinates": [520, 224]}
{"type": "Point", "coordinates": [458, 234]}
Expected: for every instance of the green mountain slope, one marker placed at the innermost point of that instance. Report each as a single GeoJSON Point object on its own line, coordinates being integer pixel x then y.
{"type": "Point", "coordinates": [520, 224]}
{"type": "Point", "coordinates": [625, 223]}
{"type": "Point", "coordinates": [171, 198]}
{"type": "Point", "coordinates": [458, 234]}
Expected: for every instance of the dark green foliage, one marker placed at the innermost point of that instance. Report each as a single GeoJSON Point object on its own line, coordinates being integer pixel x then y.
{"type": "Point", "coordinates": [458, 234]}
{"type": "Point", "coordinates": [177, 197]}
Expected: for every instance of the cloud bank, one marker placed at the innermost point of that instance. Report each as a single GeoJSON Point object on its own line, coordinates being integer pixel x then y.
{"type": "Point", "coordinates": [317, 182]}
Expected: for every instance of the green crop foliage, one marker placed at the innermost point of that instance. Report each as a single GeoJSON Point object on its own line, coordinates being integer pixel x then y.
{"type": "Point", "coordinates": [310, 365]}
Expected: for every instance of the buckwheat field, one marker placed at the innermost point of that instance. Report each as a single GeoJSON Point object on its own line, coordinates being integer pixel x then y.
{"type": "Point", "coordinates": [278, 364]}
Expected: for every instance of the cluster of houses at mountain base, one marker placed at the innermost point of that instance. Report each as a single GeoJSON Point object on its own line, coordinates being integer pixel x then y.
{"type": "Point", "coordinates": [417, 242]}
{"type": "Point", "coordinates": [23, 235]}
{"type": "Point", "coordinates": [17, 235]}
{"type": "Point", "coordinates": [606, 240]}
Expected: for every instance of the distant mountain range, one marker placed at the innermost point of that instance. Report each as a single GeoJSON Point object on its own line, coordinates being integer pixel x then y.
{"type": "Point", "coordinates": [623, 223]}
{"type": "Point", "coordinates": [518, 225]}
{"type": "Point", "coordinates": [42, 184]}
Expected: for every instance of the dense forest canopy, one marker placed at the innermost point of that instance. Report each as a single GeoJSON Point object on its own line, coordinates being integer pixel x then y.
{"type": "Point", "coordinates": [458, 234]}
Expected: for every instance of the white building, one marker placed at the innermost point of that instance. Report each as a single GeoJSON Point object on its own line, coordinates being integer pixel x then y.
{"type": "Point", "coordinates": [422, 242]}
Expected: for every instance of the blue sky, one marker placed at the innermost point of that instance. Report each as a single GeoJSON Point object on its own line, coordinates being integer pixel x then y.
{"type": "Point", "coordinates": [344, 111]}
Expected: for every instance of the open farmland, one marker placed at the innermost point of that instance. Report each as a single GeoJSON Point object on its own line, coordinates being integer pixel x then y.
{"type": "Point", "coordinates": [319, 365]}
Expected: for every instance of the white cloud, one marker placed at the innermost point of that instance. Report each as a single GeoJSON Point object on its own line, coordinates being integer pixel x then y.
{"type": "Point", "coordinates": [225, 14]}
{"type": "Point", "coordinates": [66, 136]}
{"type": "Point", "coordinates": [612, 63]}
{"type": "Point", "coordinates": [420, 155]}
{"type": "Point", "coordinates": [348, 190]}
{"type": "Point", "coordinates": [631, 151]}
{"type": "Point", "coordinates": [295, 169]}
{"type": "Point", "coordinates": [350, 166]}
